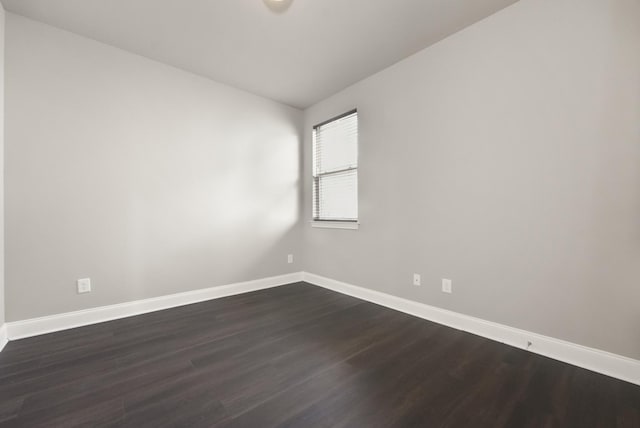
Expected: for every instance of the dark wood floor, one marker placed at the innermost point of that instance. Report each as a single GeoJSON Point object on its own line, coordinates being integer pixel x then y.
{"type": "Point", "coordinates": [295, 356]}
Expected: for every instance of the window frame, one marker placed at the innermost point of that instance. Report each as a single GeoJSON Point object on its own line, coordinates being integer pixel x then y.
{"type": "Point", "coordinates": [328, 222]}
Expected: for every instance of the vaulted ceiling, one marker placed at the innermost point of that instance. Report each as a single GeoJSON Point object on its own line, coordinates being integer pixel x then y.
{"type": "Point", "coordinates": [299, 57]}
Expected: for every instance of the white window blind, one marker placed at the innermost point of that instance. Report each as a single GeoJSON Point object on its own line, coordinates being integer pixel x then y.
{"type": "Point", "coordinates": [335, 169]}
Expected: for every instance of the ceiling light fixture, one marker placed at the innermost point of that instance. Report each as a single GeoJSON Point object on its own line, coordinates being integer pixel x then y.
{"type": "Point", "coordinates": [278, 6]}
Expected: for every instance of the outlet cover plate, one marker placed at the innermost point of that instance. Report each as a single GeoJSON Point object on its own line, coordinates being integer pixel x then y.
{"type": "Point", "coordinates": [417, 281]}
{"type": "Point", "coordinates": [84, 285]}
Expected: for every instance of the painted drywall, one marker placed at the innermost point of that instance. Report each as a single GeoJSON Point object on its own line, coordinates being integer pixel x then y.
{"type": "Point", "coordinates": [2, 30]}
{"type": "Point", "coordinates": [147, 179]}
{"type": "Point", "coordinates": [506, 158]}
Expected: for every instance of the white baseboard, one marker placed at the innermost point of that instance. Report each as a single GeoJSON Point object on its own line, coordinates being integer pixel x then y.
{"type": "Point", "coordinates": [3, 336]}
{"type": "Point", "coordinates": [37, 326]}
{"type": "Point", "coordinates": [603, 362]}
{"type": "Point", "coordinates": [609, 364]}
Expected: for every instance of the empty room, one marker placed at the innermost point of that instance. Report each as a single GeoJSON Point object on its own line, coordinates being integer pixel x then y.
{"type": "Point", "coordinates": [320, 213]}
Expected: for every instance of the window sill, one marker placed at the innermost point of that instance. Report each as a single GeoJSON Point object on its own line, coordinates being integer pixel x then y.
{"type": "Point", "coordinates": [351, 225]}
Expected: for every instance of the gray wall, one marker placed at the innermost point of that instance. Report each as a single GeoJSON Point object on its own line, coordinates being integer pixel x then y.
{"type": "Point", "coordinates": [143, 177]}
{"type": "Point", "coordinates": [507, 158]}
{"type": "Point", "coordinates": [2, 30]}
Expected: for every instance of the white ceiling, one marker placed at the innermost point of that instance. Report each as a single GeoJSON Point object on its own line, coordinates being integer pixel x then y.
{"type": "Point", "coordinates": [313, 50]}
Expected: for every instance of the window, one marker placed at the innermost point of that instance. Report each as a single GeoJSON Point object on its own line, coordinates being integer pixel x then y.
{"type": "Point", "coordinates": [335, 169]}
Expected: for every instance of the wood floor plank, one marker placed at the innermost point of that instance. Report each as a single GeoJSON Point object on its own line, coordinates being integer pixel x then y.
{"type": "Point", "coordinates": [337, 383]}
{"type": "Point", "coordinates": [295, 356]}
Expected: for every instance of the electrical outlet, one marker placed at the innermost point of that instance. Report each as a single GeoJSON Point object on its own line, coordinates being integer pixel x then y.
{"type": "Point", "coordinates": [290, 258]}
{"type": "Point", "coordinates": [416, 279]}
{"type": "Point", "coordinates": [447, 286]}
{"type": "Point", "coordinates": [84, 285]}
